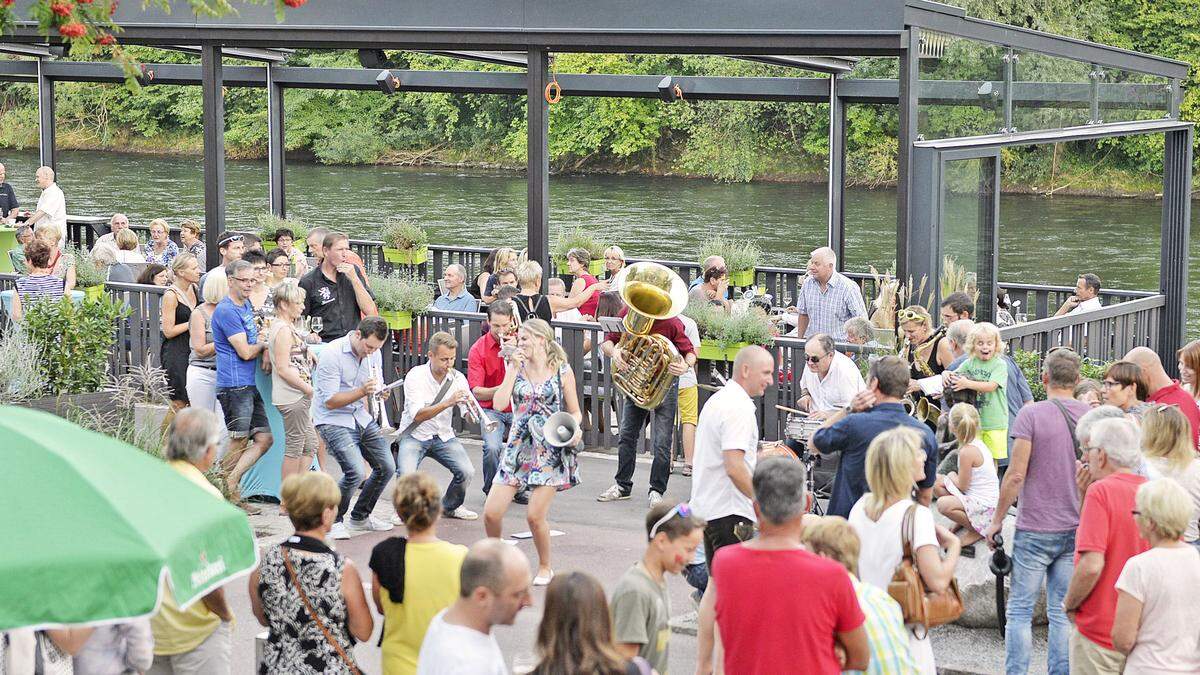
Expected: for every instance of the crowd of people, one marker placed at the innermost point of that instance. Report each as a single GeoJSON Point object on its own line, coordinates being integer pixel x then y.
{"type": "Point", "coordinates": [1104, 476]}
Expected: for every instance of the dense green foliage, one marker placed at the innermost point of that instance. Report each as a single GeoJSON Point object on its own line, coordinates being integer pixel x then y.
{"type": "Point", "coordinates": [74, 342]}
{"type": "Point", "coordinates": [720, 139]}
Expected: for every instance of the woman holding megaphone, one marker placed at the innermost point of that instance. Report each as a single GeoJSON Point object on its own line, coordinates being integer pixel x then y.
{"type": "Point", "coordinates": [543, 440]}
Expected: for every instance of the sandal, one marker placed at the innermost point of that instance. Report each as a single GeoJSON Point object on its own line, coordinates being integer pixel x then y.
{"type": "Point", "coordinates": [687, 470]}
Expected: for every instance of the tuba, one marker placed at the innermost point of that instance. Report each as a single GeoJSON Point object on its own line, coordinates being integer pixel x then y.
{"type": "Point", "coordinates": [651, 292]}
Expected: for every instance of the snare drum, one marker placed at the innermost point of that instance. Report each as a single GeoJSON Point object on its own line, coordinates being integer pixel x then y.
{"type": "Point", "coordinates": [801, 427]}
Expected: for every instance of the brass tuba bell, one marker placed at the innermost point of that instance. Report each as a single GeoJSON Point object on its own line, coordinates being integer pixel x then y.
{"type": "Point", "coordinates": [651, 292]}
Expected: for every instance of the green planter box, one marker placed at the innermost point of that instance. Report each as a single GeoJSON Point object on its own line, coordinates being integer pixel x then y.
{"type": "Point", "coordinates": [270, 245]}
{"type": "Point", "coordinates": [397, 320]}
{"type": "Point", "coordinates": [8, 241]}
{"type": "Point", "coordinates": [93, 292]}
{"type": "Point", "coordinates": [595, 267]}
{"type": "Point", "coordinates": [711, 350]}
{"type": "Point", "coordinates": [743, 278]}
{"type": "Point", "coordinates": [405, 256]}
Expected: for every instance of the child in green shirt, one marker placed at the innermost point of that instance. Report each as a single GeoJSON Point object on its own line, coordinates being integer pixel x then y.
{"type": "Point", "coordinates": [986, 373]}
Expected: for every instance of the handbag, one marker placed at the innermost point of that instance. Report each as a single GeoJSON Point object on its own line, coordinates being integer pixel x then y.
{"type": "Point", "coordinates": [311, 612]}
{"type": "Point", "coordinates": [920, 606]}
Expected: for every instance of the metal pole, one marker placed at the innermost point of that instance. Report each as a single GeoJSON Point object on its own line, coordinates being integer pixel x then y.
{"type": "Point", "coordinates": [837, 172]}
{"type": "Point", "coordinates": [1094, 94]}
{"type": "Point", "coordinates": [1010, 59]}
{"type": "Point", "coordinates": [538, 158]}
{"type": "Point", "coordinates": [214, 149]}
{"type": "Point", "coordinates": [276, 148]}
{"type": "Point", "coordinates": [1173, 261]}
{"type": "Point", "coordinates": [907, 135]}
{"type": "Point", "coordinates": [46, 140]}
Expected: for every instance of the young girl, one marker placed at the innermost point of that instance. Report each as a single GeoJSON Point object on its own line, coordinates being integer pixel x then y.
{"type": "Point", "coordinates": [986, 373]}
{"type": "Point", "coordinates": [968, 496]}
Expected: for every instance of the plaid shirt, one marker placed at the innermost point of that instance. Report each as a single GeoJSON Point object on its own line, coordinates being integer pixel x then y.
{"type": "Point", "coordinates": [828, 311]}
{"type": "Point", "coordinates": [886, 634]}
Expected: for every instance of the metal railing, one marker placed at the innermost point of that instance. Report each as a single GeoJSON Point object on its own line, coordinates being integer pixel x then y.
{"type": "Point", "coordinates": [1102, 335]}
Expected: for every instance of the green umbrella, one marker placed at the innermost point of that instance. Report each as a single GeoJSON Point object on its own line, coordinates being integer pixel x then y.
{"type": "Point", "coordinates": [91, 527]}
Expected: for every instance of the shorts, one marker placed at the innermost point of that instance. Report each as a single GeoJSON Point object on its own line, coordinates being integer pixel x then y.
{"type": "Point", "coordinates": [300, 436]}
{"type": "Point", "coordinates": [997, 441]}
{"type": "Point", "coordinates": [245, 414]}
{"type": "Point", "coordinates": [689, 408]}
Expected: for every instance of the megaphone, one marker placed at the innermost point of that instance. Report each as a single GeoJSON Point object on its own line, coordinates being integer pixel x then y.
{"type": "Point", "coordinates": [559, 429]}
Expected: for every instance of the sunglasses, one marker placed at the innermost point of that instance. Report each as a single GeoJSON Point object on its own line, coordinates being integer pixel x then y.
{"type": "Point", "coordinates": [815, 359]}
{"type": "Point", "coordinates": [906, 315]}
{"type": "Point", "coordinates": [682, 509]}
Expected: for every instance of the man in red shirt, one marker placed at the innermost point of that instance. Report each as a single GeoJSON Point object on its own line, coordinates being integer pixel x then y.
{"type": "Point", "coordinates": [1107, 537]}
{"type": "Point", "coordinates": [634, 419]}
{"type": "Point", "coordinates": [1162, 389]}
{"type": "Point", "coordinates": [769, 625]}
{"type": "Point", "coordinates": [485, 372]}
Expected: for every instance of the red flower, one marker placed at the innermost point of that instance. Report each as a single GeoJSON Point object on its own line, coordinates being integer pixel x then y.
{"type": "Point", "coordinates": [61, 8]}
{"type": "Point", "coordinates": [108, 40]}
{"type": "Point", "coordinates": [294, 3]}
{"type": "Point", "coordinates": [7, 3]}
{"type": "Point", "coordinates": [72, 30]}
{"type": "Point", "coordinates": [84, 2]}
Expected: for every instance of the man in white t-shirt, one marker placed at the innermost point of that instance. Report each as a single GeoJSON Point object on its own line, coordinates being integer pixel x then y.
{"type": "Point", "coordinates": [1086, 298]}
{"type": "Point", "coordinates": [726, 451]}
{"type": "Point", "coordinates": [830, 378]}
{"type": "Point", "coordinates": [51, 205]}
{"type": "Point", "coordinates": [493, 587]}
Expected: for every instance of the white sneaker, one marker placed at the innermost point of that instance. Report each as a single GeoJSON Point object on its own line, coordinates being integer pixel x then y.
{"type": "Point", "coordinates": [339, 531]}
{"type": "Point", "coordinates": [463, 513]}
{"type": "Point", "coordinates": [370, 524]}
{"type": "Point", "coordinates": [655, 498]}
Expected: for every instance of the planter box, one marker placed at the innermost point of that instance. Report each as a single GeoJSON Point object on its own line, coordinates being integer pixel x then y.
{"type": "Point", "coordinates": [150, 419]}
{"type": "Point", "coordinates": [298, 245]}
{"type": "Point", "coordinates": [98, 402]}
{"type": "Point", "coordinates": [93, 292]}
{"type": "Point", "coordinates": [595, 267]}
{"type": "Point", "coordinates": [397, 320]}
{"type": "Point", "coordinates": [712, 351]}
{"type": "Point", "coordinates": [743, 278]}
{"type": "Point", "coordinates": [406, 256]}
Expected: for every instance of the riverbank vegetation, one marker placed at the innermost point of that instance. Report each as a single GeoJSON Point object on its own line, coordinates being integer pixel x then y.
{"type": "Point", "coordinates": [731, 141]}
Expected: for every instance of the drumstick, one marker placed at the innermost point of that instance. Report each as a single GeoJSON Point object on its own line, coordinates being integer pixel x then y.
{"type": "Point", "coordinates": [791, 410]}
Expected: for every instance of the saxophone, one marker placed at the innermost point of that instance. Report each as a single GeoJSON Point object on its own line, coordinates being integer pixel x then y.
{"type": "Point", "coordinates": [651, 292]}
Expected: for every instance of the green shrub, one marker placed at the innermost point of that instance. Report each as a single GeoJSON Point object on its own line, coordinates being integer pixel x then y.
{"type": "Point", "coordinates": [751, 326]}
{"type": "Point", "coordinates": [740, 256]}
{"type": "Point", "coordinates": [575, 237]}
{"type": "Point", "coordinates": [268, 223]}
{"type": "Point", "coordinates": [87, 272]}
{"type": "Point", "coordinates": [74, 342]}
{"type": "Point", "coordinates": [350, 144]}
{"type": "Point", "coordinates": [1030, 364]}
{"type": "Point", "coordinates": [406, 234]}
{"type": "Point", "coordinates": [395, 293]}
{"type": "Point", "coordinates": [20, 377]}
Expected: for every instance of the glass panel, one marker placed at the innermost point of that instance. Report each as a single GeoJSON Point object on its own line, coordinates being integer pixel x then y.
{"type": "Point", "coordinates": [1050, 92]}
{"type": "Point", "coordinates": [961, 87]}
{"type": "Point", "coordinates": [1127, 96]}
{"type": "Point", "coordinates": [962, 210]}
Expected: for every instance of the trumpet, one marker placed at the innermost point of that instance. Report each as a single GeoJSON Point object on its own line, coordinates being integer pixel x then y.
{"type": "Point", "coordinates": [472, 408]}
{"type": "Point", "coordinates": [375, 405]}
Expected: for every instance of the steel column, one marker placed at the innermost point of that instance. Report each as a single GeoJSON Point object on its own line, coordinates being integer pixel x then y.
{"type": "Point", "coordinates": [909, 249]}
{"type": "Point", "coordinates": [837, 172]}
{"type": "Point", "coordinates": [276, 147]}
{"type": "Point", "coordinates": [1173, 265]}
{"type": "Point", "coordinates": [537, 162]}
{"type": "Point", "coordinates": [1010, 58]}
{"type": "Point", "coordinates": [925, 208]}
{"type": "Point", "coordinates": [214, 148]}
{"type": "Point", "coordinates": [46, 135]}
{"type": "Point", "coordinates": [1096, 74]}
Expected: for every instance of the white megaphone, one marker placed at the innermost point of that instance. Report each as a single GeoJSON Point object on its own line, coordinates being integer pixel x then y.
{"type": "Point", "coordinates": [559, 429]}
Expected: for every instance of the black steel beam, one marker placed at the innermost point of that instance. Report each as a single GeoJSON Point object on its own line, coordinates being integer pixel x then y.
{"type": "Point", "coordinates": [46, 127]}
{"type": "Point", "coordinates": [909, 255]}
{"type": "Point", "coordinates": [1173, 256]}
{"type": "Point", "coordinates": [1084, 133]}
{"type": "Point", "coordinates": [276, 145]}
{"type": "Point", "coordinates": [537, 161]}
{"type": "Point", "coordinates": [837, 173]}
{"type": "Point", "coordinates": [214, 150]}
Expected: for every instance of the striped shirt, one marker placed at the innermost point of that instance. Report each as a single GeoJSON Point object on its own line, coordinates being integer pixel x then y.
{"type": "Point", "coordinates": [886, 634]}
{"type": "Point", "coordinates": [37, 287]}
{"type": "Point", "coordinates": [828, 310]}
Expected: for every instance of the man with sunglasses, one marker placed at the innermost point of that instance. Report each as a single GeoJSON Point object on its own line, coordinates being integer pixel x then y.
{"type": "Point", "coordinates": [231, 246]}
{"type": "Point", "coordinates": [830, 378]}
{"type": "Point", "coordinates": [641, 606]}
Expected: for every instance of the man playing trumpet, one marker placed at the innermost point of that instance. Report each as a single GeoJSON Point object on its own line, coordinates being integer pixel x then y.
{"type": "Point", "coordinates": [431, 390]}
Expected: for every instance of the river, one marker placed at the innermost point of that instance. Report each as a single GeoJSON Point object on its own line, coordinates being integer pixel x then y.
{"type": "Point", "coordinates": [1043, 240]}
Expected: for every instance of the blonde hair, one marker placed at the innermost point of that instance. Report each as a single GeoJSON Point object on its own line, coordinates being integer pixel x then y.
{"type": "Point", "coordinates": [1164, 506]}
{"type": "Point", "coordinates": [615, 249]}
{"type": "Point", "coordinates": [1167, 433]}
{"type": "Point", "coordinates": [48, 233]}
{"type": "Point", "coordinates": [984, 331]}
{"type": "Point", "coordinates": [289, 291]}
{"type": "Point", "coordinates": [441, 339]}
{"type": "Point", "coordinates": [418, 501]}
{"type": "Point", "coordinates": [555, 356]}
{"type": "Point", "coordinates": [306, 496]}
{"type": "Point", "coordinates": [216, 288]}
{"type": "Point", "coordinates": [833, 538]}
{"type": "Point", "coordinates": [889, 467]}
{"type": "Point", "coordinates": [529, 273]}
{"type": "Point", "coordinates": [126, 240]}
{"type": "Point", "coordinates": [913, 313]}
{"type": "Point", "coordinates": [160, 222]}
{"type": "Point", "coordinates": [505, 257]}
{"type": "Point", "coordinates": [964, 423]}
{"type": "Point", "coordinates": [182, 260]}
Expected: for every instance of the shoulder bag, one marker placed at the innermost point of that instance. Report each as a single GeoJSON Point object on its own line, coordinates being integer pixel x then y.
{"type": "Point", "coordinates": [920, 606]}
{"type": "Point", "coordinates": [287, 562]}
{"type": "Point", "coordinates": [1070, 427]}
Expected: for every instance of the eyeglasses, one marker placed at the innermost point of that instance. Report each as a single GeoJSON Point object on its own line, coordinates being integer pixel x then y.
{"type": "Point", "coordinates": [1108, 384]}
{"type": "Point", "coordinates": [230, 238]}
{"type": "Point", "coordinates": [279, 264]}
{"type": "Point", "coordinates": [1088, 448]}
{"type": "Point", "coordinates": [246, 280]}
{"type": "Point", "coordinates": [682, 509]}
{"type": "Point", "coordinates": [815, 359]}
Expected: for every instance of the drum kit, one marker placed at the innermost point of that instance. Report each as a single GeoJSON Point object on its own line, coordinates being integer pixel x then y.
{"type": "Point", "coordinates": [800, 429]}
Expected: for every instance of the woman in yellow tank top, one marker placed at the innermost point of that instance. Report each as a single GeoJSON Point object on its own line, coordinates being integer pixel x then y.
{"type": "Point", "coordinates": [415, 578]}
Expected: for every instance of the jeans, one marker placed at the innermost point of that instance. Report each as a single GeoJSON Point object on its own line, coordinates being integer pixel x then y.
{"type": "Point", "coordinates": [1037, 556]}
{"type": "Point", "coordinates": [493, 444]}
{"type": "Point", "coordinates": [450, 454]}
{"type": "Point", "coordinates": [347, 445]}
{"type": "Point", "coordinates": [633, 420]}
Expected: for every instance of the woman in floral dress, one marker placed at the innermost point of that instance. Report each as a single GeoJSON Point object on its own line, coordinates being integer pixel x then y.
{"type": "Point", "coordinates": [538, 383]}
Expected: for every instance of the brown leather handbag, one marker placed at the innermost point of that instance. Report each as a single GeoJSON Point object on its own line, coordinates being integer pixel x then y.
{"type": "Point", "coordinates": [920, 606]}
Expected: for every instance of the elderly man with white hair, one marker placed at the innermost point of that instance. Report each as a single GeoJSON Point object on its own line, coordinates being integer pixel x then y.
{"type": "Point", "coordinates": [118, 222]}
{"type": "Point", "coordinates": [51, 205]}
{"type": "Point", "coordinates": [827, 298]}
{"type": "Point", "coordinates": [455, 297]}
{"type": "Point", "coordinates": [1107, 537]}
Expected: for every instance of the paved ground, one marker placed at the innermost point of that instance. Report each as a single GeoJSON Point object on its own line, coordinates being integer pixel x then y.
{"type": "Point", "coordinates": [601, 539]}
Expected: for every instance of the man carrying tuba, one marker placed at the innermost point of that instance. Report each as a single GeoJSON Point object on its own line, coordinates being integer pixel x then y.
{"type": "Point", "coordinates": [646, 364]}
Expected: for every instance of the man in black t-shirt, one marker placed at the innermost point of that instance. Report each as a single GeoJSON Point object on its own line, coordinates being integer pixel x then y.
{"type": "Point", "coordinates": [8, 198]}
{"type": "Point", "coordinates": [336, 291]}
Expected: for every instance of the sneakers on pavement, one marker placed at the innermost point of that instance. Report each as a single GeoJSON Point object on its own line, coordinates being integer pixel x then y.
{"type": "Point", "coordinates": [521, 497]}
{"type": "Point", "coordinates": [463, 513]}
{"type": "Point", "coordinates": [655, 498]}
{"type": "Point", "coordinates": [339, 531]}
{"type": "Point", "coordinates": [371, 523]}
{"type": "Point", "coordinates": [612, 494]}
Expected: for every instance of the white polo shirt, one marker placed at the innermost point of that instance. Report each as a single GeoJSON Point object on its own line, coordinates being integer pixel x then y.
{"type": "Point", "coordinates": [419, 391]}
{"type": "Point", "coordinates": [728, 421]}
{"type": "Point", "coordinates": [840, 384]}
{"type": "Point", "coordinates": [53, 203]}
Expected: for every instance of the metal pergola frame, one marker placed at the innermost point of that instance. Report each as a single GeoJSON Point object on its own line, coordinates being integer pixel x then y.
{"type": "Point", "coordinates": [832, 36]}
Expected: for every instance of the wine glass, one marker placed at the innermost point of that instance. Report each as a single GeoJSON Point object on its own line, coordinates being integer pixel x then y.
{"type": "Point", "coordinates": [317, 324]}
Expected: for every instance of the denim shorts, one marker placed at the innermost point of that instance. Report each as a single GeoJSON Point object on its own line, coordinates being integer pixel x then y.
{"type": "Point", "coordinates": [245, 415]}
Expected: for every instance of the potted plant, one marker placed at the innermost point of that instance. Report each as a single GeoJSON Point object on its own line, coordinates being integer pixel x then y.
{"type": "Point", "coordinates": [404, 241]}
{"type": "Point", "coordinates": [267, 224]}
{"type": "Point", "coordinates": [399, 298]}
{"type": "Point", "coordinates": [723, 335]}
{"type": "Point", "coordinates": [144, 390]}
{"type": "Point", "coordinates": [741, 257]}
{"type": "Point", "coordinates": [577, 237]}
{"type": "Point", "coordinates": [21, 379]}
{"type": "Point", "coordinates": [88, 275]}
